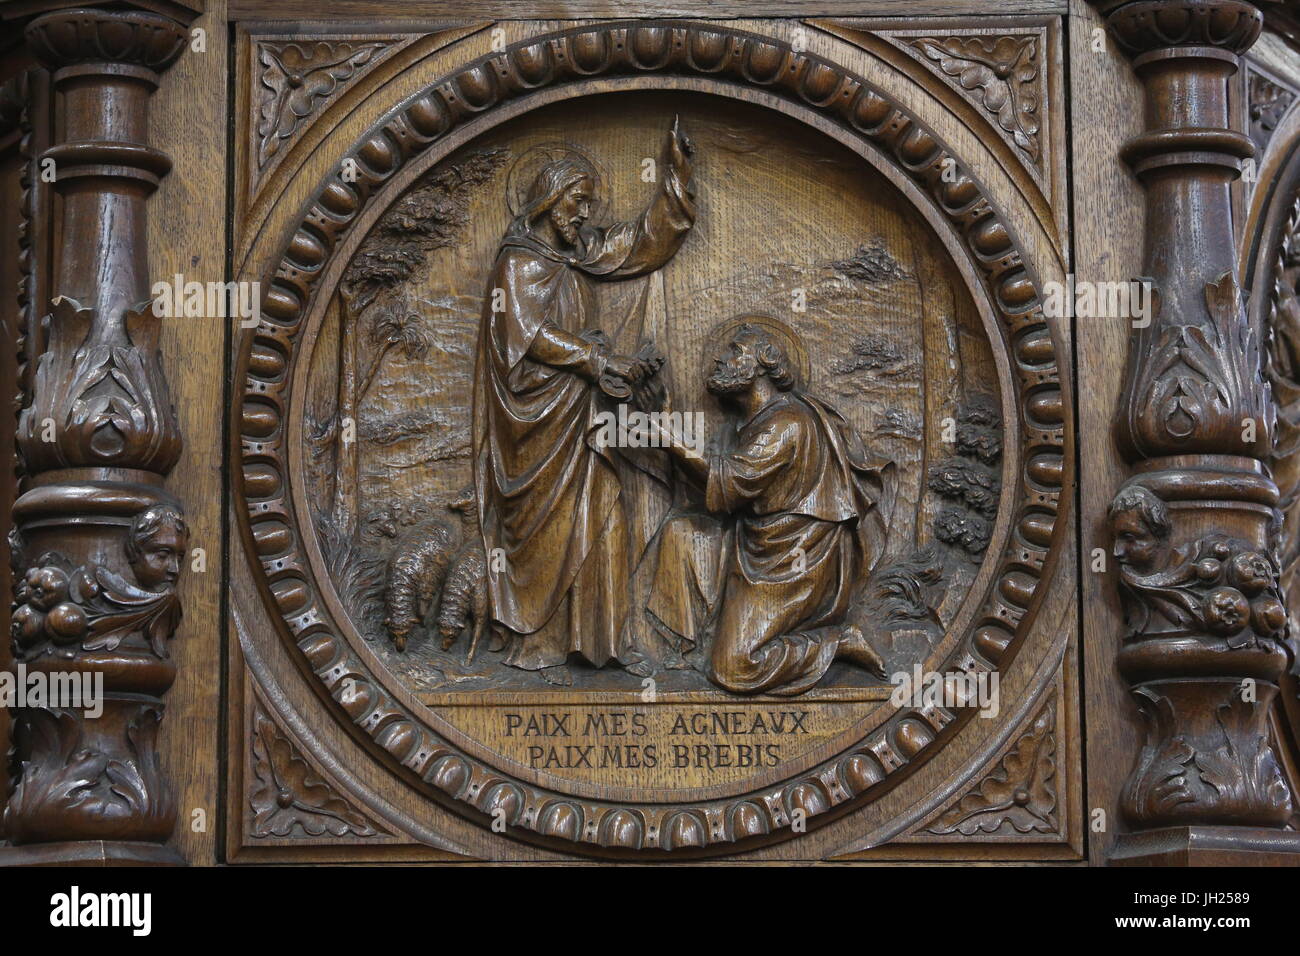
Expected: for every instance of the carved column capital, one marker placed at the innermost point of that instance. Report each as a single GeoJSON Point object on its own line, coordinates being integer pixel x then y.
{"type": "Point", "coordinates": [111, 41]}
{"type": "Point", "coordinates": [1145, 27]}
{"type": "Point", "coordinates": [98, 542]}
{"type": "Point", "coordinates": [1194, 527]}
{"type": "Point", "coordinates": [1193, 377]}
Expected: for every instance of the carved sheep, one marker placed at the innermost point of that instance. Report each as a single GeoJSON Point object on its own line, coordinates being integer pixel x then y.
{"type": "Point", "coordinates": [439, 572]}
{"type": "Point", "coordinates": [415, 576]}
{"type": "Point", "coordinates": [464, 595]}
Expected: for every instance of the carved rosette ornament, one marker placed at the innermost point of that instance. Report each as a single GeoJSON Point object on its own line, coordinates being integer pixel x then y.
{"type": "Point", "coordinates": [1193, 529]}
{"type": "Point", "coordinates": [1019, 794]}
{"type": "Point", "coordinates": [296, 79]}
{"type": "Point", "coordinates": [98, 541]}
{"type": "Point", "coordinates": [1002, 74]}
{"type": "Point", "coordinates": [289, 798]}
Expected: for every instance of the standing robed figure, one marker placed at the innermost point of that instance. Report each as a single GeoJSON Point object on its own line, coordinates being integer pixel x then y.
{"type": "Point", "coordinates": [550, 504]}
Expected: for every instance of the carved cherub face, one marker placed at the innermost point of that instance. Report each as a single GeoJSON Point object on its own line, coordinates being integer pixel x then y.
{"type": "Point", "coordinates": [1140, 529]}
{"type": "Point", "coordinates": [734, 369]}
{"type": "Point", "coordinates": [158, 541]}
{"type": "Point", "coordinates": [572, 209]}
{"type": "Point", "coordinates": [1136, 545]}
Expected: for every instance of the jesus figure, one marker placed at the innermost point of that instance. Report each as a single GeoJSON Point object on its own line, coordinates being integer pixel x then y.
{"type": "Point", "coordinates": [553, 522]}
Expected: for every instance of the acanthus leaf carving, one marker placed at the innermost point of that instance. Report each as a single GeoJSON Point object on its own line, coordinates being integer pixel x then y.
{"type": "Point", "coordinates": [1269, 101]}
{"type": "Point", "coordinates": [296, 78]}
{"type": "Point", "coordinates": [1199, 381]}
{"type": "Point", "coordinates": [107, 401]}
{"type": "Point", "coordinates": [1183, 775]}
{"type": "Point", "coordinates": [1020, 792]}
{"type": "Point", "coordinates": [1001, 73]}
{"type": "Point", "coordinates": [1209, 614]}
{"type": "Point", "coordinates": [105, 776]}
{"type": "Point", "coordinates": [289, 797]}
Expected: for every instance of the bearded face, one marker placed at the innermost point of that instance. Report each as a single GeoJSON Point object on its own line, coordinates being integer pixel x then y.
{"type": "Point", "coordinates": [734, 371]}
{"type": "Point", "coordinates": [571, 210]}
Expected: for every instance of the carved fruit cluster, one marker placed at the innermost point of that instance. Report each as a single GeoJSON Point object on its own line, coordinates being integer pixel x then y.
{"type": "Point", "coordinates": [1217, 585]}
{"type": "Point", "coordinates": [45, 611]}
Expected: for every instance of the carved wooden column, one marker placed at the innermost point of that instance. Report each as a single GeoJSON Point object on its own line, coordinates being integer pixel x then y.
{"type": "Point", "coordinates": [101, 539]}
{"type": "Point", "coordinates": [1194, 527]}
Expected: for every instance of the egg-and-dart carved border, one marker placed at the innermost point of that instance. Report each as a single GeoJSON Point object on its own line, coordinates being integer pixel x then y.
{"type": "Point", "coordinates": [666, 47]}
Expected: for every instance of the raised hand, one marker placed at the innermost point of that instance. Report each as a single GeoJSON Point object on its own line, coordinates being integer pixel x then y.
{"type": "Point", "coordinates": [678, 150]}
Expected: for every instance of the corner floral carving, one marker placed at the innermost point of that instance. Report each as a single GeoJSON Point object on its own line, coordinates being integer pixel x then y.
{"type": "Point", "coordinates": [289, 796]}
{"type": "Point", "coordinates": [296, 78]}
{"type": "Point", "coordinates": [1020, 792]}
{"type": "Point", "coordinates": [1002, 74]}
{"type": "Point", "coordinates": [1268, 101]}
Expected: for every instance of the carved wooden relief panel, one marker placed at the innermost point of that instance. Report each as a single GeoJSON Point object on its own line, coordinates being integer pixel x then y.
{"type": "Point", "coordinates": [632, 406]}
{"type": "Point", "coordinates": [653, 439]}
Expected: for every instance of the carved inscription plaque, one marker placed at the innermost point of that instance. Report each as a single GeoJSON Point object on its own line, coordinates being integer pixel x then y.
{"type": "Point", "coordinates": [624, 465]}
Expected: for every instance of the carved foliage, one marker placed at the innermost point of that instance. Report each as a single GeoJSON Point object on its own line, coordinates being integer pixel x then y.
{"type": "Point", "coordinates": [1001, 73]}
{"type": "Point", "coordinates": [1198, 381]}
{"type": "Point", "coordinates": [289, 799]}
{"type": "Point", "coordinates": [1216, 585]}
{"type": "Point", "coordinates": [82, 779]}
{"type": "Point", "coordinates": [969, 480]}
{"type": "Point", "coordinates": [1226, 774]}
{"type": "Point", "coordinates": [60, 608]}
{"type": "Point", "coordinates": [296, 78]}
{"type": "Point", "coordinates": [1268, 102]}
{"type": "Point", "coordinates": [1020, 793]}
{"type": "Point", "coordinates": [1202, 653]}
{"type": "Point", "coordinates": [104, 404]}
{"type": "Point", "coordinates": [1282, 367]}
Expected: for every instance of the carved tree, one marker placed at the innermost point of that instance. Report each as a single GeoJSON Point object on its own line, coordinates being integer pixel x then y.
{"type": "Point", "coordinates": [431, 216]}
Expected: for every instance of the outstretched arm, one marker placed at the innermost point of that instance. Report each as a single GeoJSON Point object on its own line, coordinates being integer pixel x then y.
{"type": "Point", "coordinates": [644, 244]}
{"type": "Point", "coordinates": [585, 356]}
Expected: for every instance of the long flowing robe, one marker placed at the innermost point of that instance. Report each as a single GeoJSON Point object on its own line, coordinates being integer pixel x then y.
{"type": "Point", "coordinates": [553, 525]}
{"type": "Point", "coordinates": [809, 507]}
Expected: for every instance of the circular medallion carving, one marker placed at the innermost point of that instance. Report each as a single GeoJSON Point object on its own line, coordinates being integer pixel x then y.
{"type": "Point", "coordinates": [850, 763]}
